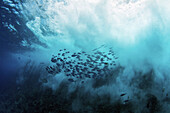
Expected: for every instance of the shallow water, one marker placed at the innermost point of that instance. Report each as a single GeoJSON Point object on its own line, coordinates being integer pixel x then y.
{"type": "Point", "coordinates": [84, 56]}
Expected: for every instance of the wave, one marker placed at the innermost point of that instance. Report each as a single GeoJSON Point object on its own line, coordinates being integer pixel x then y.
{"type": "Point", "coordinates": [137, 30]}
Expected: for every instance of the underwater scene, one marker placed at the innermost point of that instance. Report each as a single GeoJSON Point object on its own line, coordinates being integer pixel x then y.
{"type": "Point", "coordinates": [84, 56]}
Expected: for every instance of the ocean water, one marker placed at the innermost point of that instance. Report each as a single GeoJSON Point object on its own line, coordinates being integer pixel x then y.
{"type": "Point", "coordinates": [84, 56]}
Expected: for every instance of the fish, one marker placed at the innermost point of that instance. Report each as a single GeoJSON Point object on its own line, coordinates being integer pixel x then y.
{"type": "Point", "coordinates": [105, 56]}
{"type": "Point", "coordinates": [106, 63]}
{"type": "Point", "coordinates": [126, 101]}
{"type": "Point", "coordinates": [74, 55]}
{"type": "Point", "coordinates": [109, 59]}
{"type": "Point", "coordinates": [100, 53]}
{"type": "Point", "coordinates": [95, 63]}
{"type": "Point", "coordinates": [94, 49]}
{"type": "Point", "coordinates": [123, 94]}
{"type": "Point", "coordinates": [67, 75]}
{"type": "Point", "coordinates": [58, 64]}
{"type": "Point", "coordinates": [61, 60]}
{"type": "Point", "coordinates": [71, 80]}
{"type": "Point", "coordinates": [97, 56]}
{"type": "Point", "coordinates": [53, 60]}
{"type": "Point", "coordinates": [116, 57]}
{"type": "Point", "coordinates": [87, 60]}
{"type": "Point", "coordinates": [78, 57]}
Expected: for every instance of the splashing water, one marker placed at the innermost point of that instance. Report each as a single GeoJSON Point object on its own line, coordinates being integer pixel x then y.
{"type": "Point", "coordinates": [137, 29]}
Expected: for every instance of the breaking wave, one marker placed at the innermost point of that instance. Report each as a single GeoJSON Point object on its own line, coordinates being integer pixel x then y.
{"type": "Point", "coordinates": [137, 30]}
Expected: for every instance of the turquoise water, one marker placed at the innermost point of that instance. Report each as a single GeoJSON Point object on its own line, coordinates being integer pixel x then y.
{"type": "Point", "coordinates": [32, 32]}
